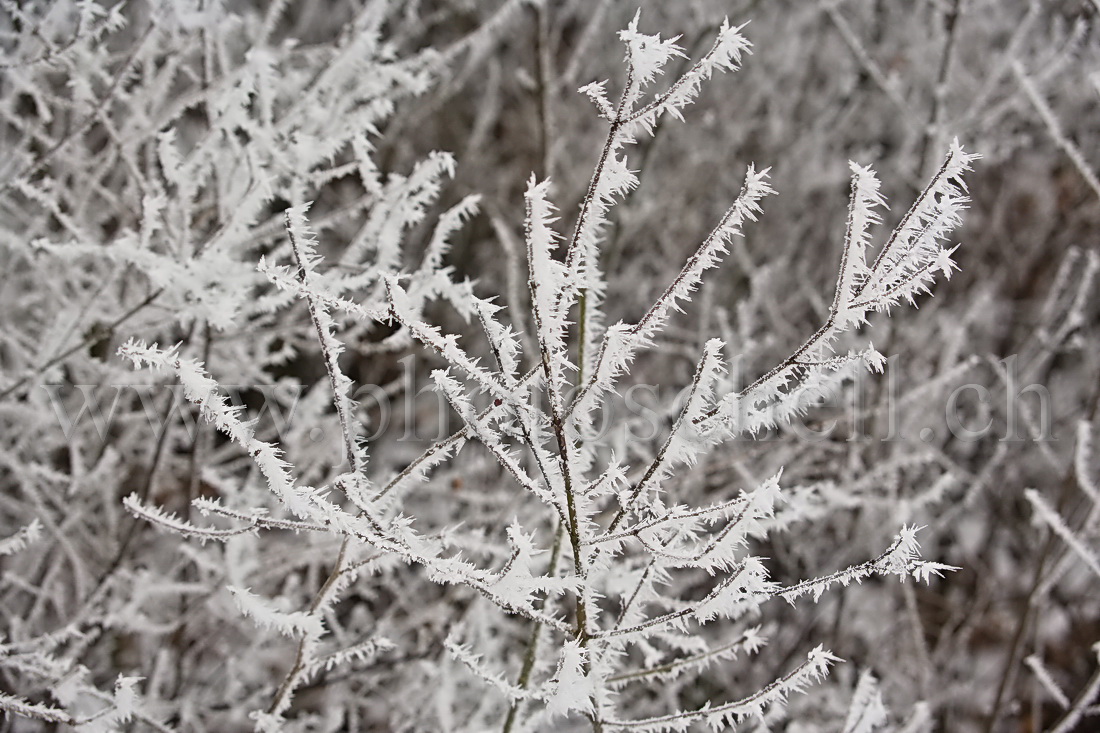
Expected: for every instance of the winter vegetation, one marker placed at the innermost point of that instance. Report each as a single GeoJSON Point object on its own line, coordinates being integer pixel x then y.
{"type": "Point", "coordinates": [516, 365]}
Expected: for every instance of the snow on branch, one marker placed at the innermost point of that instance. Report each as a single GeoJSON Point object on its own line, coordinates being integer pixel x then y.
{"type": "Point", "coordinates": [303, 247]}
{"type": "Point", "coordinates": [621, 342]}
{"type": "Point", "coordinates": [36, 711]}
{"type": "Point", "coordinates": [745, 208]}
{"type": "Point", "coordinates": [403, 203]}
{"type": "Point", "coordinates": [22, 537]}
{"type": "Point", "coordinates": [612, 177]}
{"type": "Point", "coordinates": [741, 590]}
{"type": "Point", "coordinates": [480, 427]}
{"type": "Point", "coordinates": [551, 286]}
{"type": "Point", "coordinates": [266, 616]}
{"type": "Point", "coordinates": [682, 444]}
{"type": "Point", "coordinates": [1046, 514]}
{"type": "Point", "coordinates": [867, 713]}
{"type": "Point", "coordinates": [648, 54]}
{"type": "Point", "coordinates": [201, 390]}
{"type": "Point", "coordinates": [1042, 674]}
{"type": "Point", "coordinates": [446, 345]}
{"type": "Point", "coordinates": [861, 216]}
{"type": "Point", "coordinates": [728, 715]}
{"type": "Point", "coordinates": [748, 642]}
{"type": "Point", "coordinates": [496, 680]}
{"type": "Point", "coordinates": [913, 254]}
{"type": "Point", "coordinates": [1084, 462]}
{"type": "Point", "coordinates": [905, 266]}
{"type": "Point", "coordinates": [157, 516]}
{"type": "Point", "coordinates": [364, 651]}
{"type": "Point", "coordinates": [900, 559]}
{"type": "Point", "coordinates": [206, 506]}
{"type": "Point", "coordinates": [503, 341]}
{"type": "Point", "coordinates": [743, 517]}
{"type": "Point", "coordinates": [283, 279]}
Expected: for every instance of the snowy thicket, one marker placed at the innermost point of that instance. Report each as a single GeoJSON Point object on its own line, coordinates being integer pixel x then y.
{"type": "Point", "coordinates": [452, 366]}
